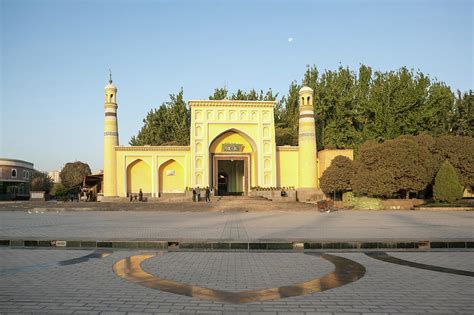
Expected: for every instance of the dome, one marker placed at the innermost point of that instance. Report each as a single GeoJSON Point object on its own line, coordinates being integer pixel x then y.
{"type": "Point", "coordinates": [110, 86]}
{"type": "Point", "coordinates": [305, 90]}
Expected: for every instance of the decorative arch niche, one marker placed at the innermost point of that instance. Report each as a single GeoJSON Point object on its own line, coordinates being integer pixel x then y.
{"type": "Point", "coordinates": [171, 177]}
{"type": "Point", "coordinates": [138, 177]}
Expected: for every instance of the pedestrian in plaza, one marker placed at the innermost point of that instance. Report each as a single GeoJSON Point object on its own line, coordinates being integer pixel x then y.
{"type": "Point", "coordinates": [131, 197]}
{"type": "Point", "coordinates": [194, 195]}
{"type": "Point", "coordinates": [199, 194]}
{"type": "Point", "coordinates": [140, 195]}
{"type": "Point", "coordinates": [208, 194]}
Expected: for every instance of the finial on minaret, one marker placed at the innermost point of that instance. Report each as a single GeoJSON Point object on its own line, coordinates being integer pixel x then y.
{"type": "Point", "coordinates": [110, 76]}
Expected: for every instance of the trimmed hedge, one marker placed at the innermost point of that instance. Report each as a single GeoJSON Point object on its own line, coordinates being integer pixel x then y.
{"type": "Point", "coordinates": [447, 186]}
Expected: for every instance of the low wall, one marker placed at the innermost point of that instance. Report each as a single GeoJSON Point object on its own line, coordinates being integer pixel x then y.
{"type": "Point", "coordinates": [37, 195]}
{"type": "Point", "coordinates": [275, 195]}
{"type": "Point", "coordinates": [401, 204]}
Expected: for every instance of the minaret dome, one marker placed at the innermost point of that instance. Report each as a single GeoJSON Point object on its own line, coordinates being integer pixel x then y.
{"type": "Point", "coordinates": [110, 91]}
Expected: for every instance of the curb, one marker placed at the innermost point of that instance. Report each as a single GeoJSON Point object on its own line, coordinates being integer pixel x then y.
{"type": "Point", "coordinates": [242, 246]}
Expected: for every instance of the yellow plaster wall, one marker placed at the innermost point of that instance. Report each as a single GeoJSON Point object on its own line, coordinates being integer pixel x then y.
{"type": "Point", "coordinates": [139, 177]}
{"type": "Point", "coordinates": [325, 158]}
{"type": "Point", "coordinates": [171, 177]}
{"type": "Point", "coordinates": [155, 157]}
{"type": "Point", "coordinates": [254, 119]}
{"type": "Point", "coordinates": [287, 167]}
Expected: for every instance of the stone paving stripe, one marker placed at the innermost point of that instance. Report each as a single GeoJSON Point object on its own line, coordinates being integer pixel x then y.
{"type": "Point", "coordinates": [346, 271]}
{"type": "Point", "coordinates": [394, 260]}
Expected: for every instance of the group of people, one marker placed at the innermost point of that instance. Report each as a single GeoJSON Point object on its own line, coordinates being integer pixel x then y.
{"type": "Point", "coordinates": [197, 194]}
{"type": "Point", "coordinates": [137, 198]}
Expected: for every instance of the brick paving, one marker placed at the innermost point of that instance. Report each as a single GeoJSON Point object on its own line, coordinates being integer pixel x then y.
{"type": "Point", "coordinates": [237, 226]}
{"type": "Point", "coordinates": [32, 281]}
{"type": "Point", "coordinates": [91, 287]}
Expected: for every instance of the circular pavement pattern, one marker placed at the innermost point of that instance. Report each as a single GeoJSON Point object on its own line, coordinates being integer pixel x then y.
{"type": "Point", "coordinates": [346, 271]}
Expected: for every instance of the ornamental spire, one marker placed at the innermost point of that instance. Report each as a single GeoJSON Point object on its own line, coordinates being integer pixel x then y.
{"type": "Point", "coordinates": [110, 76]}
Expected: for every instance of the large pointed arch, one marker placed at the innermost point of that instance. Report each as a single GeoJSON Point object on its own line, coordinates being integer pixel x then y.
{"type": "Point", "coordinates": [240, 165]}
{"type": "Point", "coordinates": [243, 134]}
{"type": "Point", "coordinates": [139, 177]}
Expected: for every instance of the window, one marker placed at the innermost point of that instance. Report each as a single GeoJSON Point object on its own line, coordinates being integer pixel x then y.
{"type": "Point", "coordinates": [308, 101]}
{"type": "Point", "coordinates": [111, 96]}
{"type": "Point", "coordinates": [13, 173]}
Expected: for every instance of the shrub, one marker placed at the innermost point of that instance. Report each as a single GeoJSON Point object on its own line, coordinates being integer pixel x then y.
{"type": "Point", "coordinates": [337, 177]}
{"type": "Point", "coordinates": [447, 186]}
{"type": "Point", "coordinates": [59, 190]}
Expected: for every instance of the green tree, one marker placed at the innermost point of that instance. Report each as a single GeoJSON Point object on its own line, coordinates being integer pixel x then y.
{"type": "Point", "coordinates": [447, 186]}
{"type": "Point", "coordinates": [338, 176]}
{"type": "Point", "coordinates": [462, 116]}
{"type": "Point", "coordinates": [167, 125]}
{"type": "Point", "coordinates": [73, 174]}
{"type": "Point", "coordinates": [40, 181]}
{"type": "Point", "coordinates": [351, 107]}
{"type": "Point", "coordinates": [393, 168]}
{"type": "Point", "coordinates": [459, 151]}
{"type": "Point", "coordinates": [219, 94]}
{"type": "Point", "coordinates": [286, 124]}
{"type": "Point", "coordinates": [59, 190]}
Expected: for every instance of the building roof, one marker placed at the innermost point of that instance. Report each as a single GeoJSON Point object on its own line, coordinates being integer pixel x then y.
{"type": "Point", "coordinates": [306, 89]}
{"type": "Point", "coordinates": [212, 103]}
{"type": "Point", "coordinates": [15, 162]}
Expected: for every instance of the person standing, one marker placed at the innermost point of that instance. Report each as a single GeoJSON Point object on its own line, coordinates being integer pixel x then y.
{"type": "Point", "coordinates": [194, 195]}
{"type": "Point", "coordinates": [199, 194]}
{"type": "Point", "coordinates": [140, 195]}
{"type": "Point", "coordinates": [208, 194]}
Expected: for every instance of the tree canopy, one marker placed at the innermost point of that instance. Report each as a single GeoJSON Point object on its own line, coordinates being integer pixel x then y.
{"type": "Point", "coordinates": [338, 176]}
{"type": "Point", "coordinates": [350, 108]}
{"type": "Point", "coordinates": [40, 181]}
{"type": "Point", "coordinates": [73, 174]}
{"type": "Point", "coordinates": [394, 167]}
{"type": "Point", "coordinates": [167, 125]}
{"type": "Point", "coordinates": [170, 123]}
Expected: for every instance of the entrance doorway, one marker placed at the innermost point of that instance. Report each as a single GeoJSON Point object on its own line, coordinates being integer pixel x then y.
{"type": "Point", "coordinates": [230, 175]}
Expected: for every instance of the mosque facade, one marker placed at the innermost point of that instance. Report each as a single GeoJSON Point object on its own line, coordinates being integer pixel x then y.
{"type": "Point", "coordinates": [232, 150]}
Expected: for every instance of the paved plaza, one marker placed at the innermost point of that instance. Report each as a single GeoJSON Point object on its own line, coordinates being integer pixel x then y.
{"type": "Point", "coordinates": [119, 281]}
{"type": "Point", "coordinates": [271, 225]}
{"type": "Point", "coordinates": [62, 283]}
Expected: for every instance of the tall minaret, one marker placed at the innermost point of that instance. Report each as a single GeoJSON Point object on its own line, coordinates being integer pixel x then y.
{"type": "Point", "coordinates": [110, 139]}
{"type": "Point", "coordinates": [308, 176]}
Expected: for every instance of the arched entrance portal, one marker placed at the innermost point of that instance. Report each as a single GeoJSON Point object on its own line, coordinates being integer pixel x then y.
{"type": "Point", "coordinates": [233, 159]}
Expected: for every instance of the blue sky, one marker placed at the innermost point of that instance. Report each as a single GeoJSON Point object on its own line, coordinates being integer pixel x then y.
{"type": "Point", "coordinates": [55, 57]}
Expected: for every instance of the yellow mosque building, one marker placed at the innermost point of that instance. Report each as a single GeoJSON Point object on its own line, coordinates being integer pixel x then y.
{"type": "Point", "coordinates": [232, 149]}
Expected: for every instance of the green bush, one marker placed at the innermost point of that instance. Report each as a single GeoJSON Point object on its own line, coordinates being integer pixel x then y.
{"type": "Point", "coordinates": [361, 203]}
{"type": "Point", "coordinates": [59, 190]}
{"type": "Point", "coordinates": [338, 176]}
{"type": "Point", "coordinates": [447, 186]}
